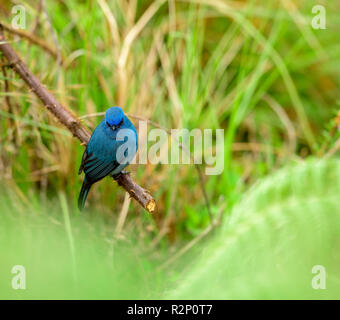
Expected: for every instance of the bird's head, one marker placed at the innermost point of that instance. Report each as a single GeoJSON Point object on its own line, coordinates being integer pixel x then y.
{"type": "Point", "coordinates": [114, 116]}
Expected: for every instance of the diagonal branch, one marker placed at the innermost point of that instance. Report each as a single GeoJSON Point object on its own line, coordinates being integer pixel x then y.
{"type": "Point", "coordinates": [69, 120]}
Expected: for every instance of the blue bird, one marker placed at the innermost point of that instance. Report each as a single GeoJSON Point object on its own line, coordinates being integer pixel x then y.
{"type": "Point", "coordinates": [112, 146]}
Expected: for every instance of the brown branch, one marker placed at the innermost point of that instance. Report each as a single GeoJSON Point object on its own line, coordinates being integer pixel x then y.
{"type": "Point", "coordinates": [66, 118]}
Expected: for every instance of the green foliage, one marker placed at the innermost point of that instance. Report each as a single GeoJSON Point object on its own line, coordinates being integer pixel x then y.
{"type": "Point", "coordinates": [253, 68]}
{"type": "Point", "coordinates": [283, 227]}
{"type": "Point", "coordinates": [69, 257]}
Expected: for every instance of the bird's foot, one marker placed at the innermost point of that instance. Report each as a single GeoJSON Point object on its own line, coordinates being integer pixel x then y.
{"type": "Point", "coordinates": [115, 176]}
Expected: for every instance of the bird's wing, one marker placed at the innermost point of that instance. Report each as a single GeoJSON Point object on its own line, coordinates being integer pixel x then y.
{"type": "Point", "coordinates": [101, 156]}
{"type": "Point", "coordinates": [83, 160]}
{"type": "Point", "coordinates": [96, 169]}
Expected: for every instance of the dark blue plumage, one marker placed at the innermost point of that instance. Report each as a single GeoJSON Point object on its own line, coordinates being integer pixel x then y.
{"type": "Point", "coordinates": [112, 146]}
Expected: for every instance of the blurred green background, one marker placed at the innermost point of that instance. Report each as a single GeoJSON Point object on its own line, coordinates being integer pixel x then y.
{"type": "Point", "coordinates": [254, 68]}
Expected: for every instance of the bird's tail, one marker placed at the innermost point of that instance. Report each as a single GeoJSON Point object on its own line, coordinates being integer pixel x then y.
{"type": "Point", "coordinates": [83, 194]}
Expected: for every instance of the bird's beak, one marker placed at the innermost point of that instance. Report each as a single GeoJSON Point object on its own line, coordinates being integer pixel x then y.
{"type": "Point", "coordinates": [113, 127]}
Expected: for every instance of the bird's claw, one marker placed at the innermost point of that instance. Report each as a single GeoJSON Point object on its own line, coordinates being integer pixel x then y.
{"type": "Point", "coordinates": [115, 176]}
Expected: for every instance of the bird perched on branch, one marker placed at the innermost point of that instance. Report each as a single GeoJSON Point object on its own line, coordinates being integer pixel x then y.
{"type": "Point", "coordinates": [111, 148]}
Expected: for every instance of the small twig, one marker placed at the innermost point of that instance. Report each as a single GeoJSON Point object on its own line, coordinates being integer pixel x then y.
{"type": "Point", "coordinates": [35, 40]}
{"type": "Point", "coordinates": [37, 17]}
{"type": "Point", "coordinates": [66, 118]}
{"type": "Point", "coordinates": [333, 150]}
{"type": "Point", "coordinates": [205, 195]}
{"type": "Point", "coordinates": [335, 128]}
{"type": "Point", "coordinates": [277, 108]}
